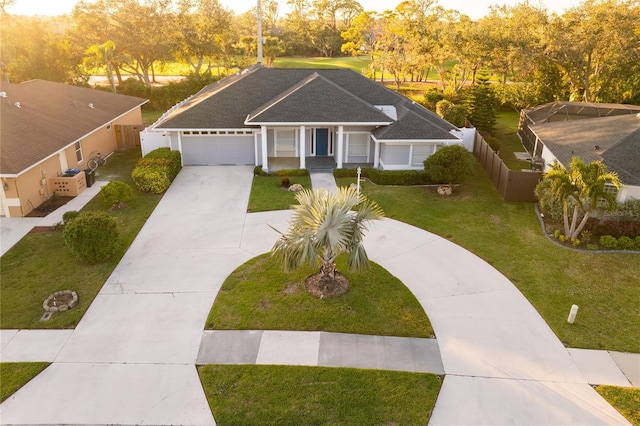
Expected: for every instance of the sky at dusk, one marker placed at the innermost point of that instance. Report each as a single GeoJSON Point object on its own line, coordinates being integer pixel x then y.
{"type": "Point", "coordinates": [473, 8]}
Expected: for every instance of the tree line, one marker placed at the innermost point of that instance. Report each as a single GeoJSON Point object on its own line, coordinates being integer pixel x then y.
{"type": "Point", "coordinates": [589, 53]}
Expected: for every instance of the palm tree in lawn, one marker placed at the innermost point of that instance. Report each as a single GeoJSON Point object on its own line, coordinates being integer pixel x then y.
{"type": "Point", "coordinates": [582, 186]}
{"type": "Point", "coordinates": [324, 226]}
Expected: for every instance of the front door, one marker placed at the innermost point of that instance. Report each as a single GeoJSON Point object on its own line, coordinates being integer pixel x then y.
{"type": "Point", "coordinates": [322, 141]}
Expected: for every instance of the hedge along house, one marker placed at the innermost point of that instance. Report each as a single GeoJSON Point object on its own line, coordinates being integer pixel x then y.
{"type": "Point", "coordinates": [48, 128]}
{"type": "Point", "coordinates": [609, 133]}
{"type": "Point", "coordinates": [268, 116]}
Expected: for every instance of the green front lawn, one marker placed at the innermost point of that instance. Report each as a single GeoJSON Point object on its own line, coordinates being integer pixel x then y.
{"type": "Point", "coordinates": [509, 237]}
{"type": "Point", "coordinates": [40, 264]}
{"type": "Point", "coordinates": [288, 395]}
{"type": "Point", "coordinates": [14, 375]}
{"type": "Point", "coordinates": [260, 296]}
{"type": "Point", "coordinates": [267, 193]}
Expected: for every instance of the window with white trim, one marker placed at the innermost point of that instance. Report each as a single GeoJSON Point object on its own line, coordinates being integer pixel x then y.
{"type": "Point", "coordinates": [358, 145]}
{"type": "Point", "coordinates": [78, 148]}
{"type": "Point", "coordinates": [419, 153]}
{"type": "Point", "coordinates": [286, 141]}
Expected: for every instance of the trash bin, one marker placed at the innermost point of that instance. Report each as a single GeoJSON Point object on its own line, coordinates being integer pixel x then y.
{"type": "Point", "coordinates": [90, 176]}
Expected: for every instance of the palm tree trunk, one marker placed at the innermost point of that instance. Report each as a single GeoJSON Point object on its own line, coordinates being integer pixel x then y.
{"type": "Point", "coordinates": [574, 221]}
{"type": "Point", "coordinates": [328, 269]}
{"type": "Point", "coordinates": [583, 222]}
{"type": "Point", "coordinates": [565, 218]}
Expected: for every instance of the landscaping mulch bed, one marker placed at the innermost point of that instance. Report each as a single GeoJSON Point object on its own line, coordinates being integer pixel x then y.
{"type": "Point", "coordinates": [49, 206]}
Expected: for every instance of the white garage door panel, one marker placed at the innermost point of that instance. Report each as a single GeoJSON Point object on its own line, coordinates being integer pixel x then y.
{"type": "Point", "coordinates": [217, 150]}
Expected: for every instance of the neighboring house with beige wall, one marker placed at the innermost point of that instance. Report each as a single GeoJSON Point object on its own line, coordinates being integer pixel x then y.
{"type": "Point", "coordinates": [47, 128]}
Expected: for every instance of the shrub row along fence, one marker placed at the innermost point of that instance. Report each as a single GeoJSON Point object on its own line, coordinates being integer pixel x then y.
{"type": "Point", "coordinates": [513, 185]}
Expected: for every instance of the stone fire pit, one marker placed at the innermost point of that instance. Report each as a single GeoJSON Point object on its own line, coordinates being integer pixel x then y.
{"type": "Point", "coordinates": [60, 301]}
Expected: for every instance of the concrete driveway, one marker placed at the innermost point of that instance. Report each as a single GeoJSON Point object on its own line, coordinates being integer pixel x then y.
{"type": "Point", "coordinates": [131, 360]}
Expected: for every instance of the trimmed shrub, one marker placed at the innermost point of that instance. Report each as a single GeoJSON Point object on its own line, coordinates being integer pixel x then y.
{"type": "Point", "coordinates": [386, 177]}
{"type": "Point", "coordinates": [258, 171]}
{"type": "Point", "coordinates": [291, 172]}
{"type": "Point", "coordinates": [618, 228]}
{"type": "Point", "coordinates": [92, 236]}
{"type": "Point", "coordinates": [398, 177]}
{"type": "Point", "coordinates": [69, 216]}
{"type": "Point", "coordinates": [450, 164]}
{"type": "Point", "coordinates": [174, 158]}
{"type": "Point", "coordinates": [626, 243]}
{"type": "Point", "coordinates": [116, 193]}
{"type": "Point", "coordinates": [637, 242]}
{"type": "Point", "coordinates": [609, 242]}
{"type": "Point", "coordinates": [155, 172]}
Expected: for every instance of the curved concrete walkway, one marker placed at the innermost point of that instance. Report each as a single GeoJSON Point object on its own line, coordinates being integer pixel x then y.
{"type": "Point", "coordinates": [131, 360]}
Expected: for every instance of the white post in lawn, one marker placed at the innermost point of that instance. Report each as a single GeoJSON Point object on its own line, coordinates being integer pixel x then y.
{"type": "Point", "coordinates": [572, 314]}
{"type": "Point", "coordinates": [358, 186]}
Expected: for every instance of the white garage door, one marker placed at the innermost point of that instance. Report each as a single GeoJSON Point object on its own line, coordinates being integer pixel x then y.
{"type": "Point", "coordinates": [218, 150]}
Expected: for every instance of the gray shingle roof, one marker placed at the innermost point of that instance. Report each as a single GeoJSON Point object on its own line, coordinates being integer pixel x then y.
{"type": "Point", "coordinates": [51, 116]}
{"type": "Point", "coordinates": [227, 103]}
{"type": "Point", "coordinates": [613, 140]}
{"type": "Point", "coordinates": [317, 100]}
{"type": "Point", "coordinates": [413, 126]}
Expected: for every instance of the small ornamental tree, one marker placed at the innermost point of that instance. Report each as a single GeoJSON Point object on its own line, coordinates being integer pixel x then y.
{"type": "Point", "coordinates": [450, 164]}
{"type": "Point", "coordinates": [116, 194]}
{"type": "Point", "coordinates": [482, 104]}
{"type": "Point", "coordinates": [92, 236]}
{"type": "Point", "coordinates": [324, 226]}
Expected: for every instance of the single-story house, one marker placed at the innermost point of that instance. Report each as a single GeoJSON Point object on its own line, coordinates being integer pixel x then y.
{"type": "Point", "coordinates": [614, 140]}
{"type": "Point", "coordinates": [49, 129]}
{"type": "Point", "coordinates": [264, 116]}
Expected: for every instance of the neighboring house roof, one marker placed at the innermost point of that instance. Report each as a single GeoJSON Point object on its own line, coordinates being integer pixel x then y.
{"type": "Point", "coordinates": [39, 118]}
{"type": "Point", "coordinates": [291, 95]}
{"type": "Point", "coordinates": [567, 111]}
{"type": "Point", "coordinates": [613, 140]}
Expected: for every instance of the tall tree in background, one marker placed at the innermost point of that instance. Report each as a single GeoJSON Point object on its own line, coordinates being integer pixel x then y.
{"type": "Point", "coordinates": [204, 33]}
{"type": "Point", "coordinates": [596, 45]}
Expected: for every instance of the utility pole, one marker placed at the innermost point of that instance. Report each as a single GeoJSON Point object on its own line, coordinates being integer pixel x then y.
{"type": "Point", "coordinates": [259, 32]}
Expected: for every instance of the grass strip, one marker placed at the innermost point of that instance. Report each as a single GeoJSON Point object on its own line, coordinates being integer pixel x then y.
{"type": "Point", "coordinates": [289, 395]}
{"type": "Point", "coordinates": [14, 375]}
{"type": "Point", "coordinates": [625, 400]}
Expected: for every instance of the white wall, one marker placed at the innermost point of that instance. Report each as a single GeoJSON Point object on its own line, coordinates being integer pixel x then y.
{"type": "Point", "coordinates": [153, 140]}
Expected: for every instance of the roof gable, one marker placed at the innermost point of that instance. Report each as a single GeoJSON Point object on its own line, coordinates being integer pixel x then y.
{"type": "Point", "coordinates": [39, 118]}
{"type": "Point", "coordinates": [317, 100]}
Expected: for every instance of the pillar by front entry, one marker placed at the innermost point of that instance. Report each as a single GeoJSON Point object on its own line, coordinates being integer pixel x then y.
{"type": "Point", "coordinates": [265, 156]}
{"type": "Point", "coordinates": [340, 145]}
{"type": "Point", "coordinates": [302, 150]}
{"type": "Point", "coordinates": [376, 154]}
